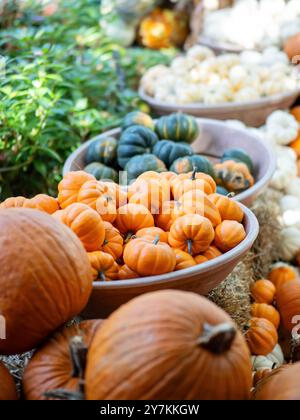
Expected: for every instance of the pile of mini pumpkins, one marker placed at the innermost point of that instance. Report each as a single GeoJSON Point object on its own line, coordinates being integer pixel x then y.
{"type": "Point", "coordinates": [165, 145]}
{"type": "Point", "coordinates": [162, 223]}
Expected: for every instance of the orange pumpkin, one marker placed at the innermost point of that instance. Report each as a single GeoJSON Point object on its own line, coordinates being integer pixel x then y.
{"type": "Point", "coordinates": [107, 209]}
{"type": "Point", "coordinates": [168, 345]}
{"type": "Point", "coordinates": [197, 202]}
{"type": "Point", "coordinates": [70, 185]}
{"type": "Point", "coordinates": [148, 258]}
{"type": "Point", "coordinates": [191, 233]}
{"type": "Point", "coordinates": [168, 176]}
{"type": "Point", "coordinates": [261, 374]}
{"type": "Point", "coordinates": [192, 181]}
{"type": "Point", "coordinates": [288, 303]}
{"type": "Point", "coordinates": [170, 211]}
{"type": "Point", "coordinates": [200, 259]}
{"type": "Point", "coordinates": [113, 241]}
{"type": "Point", "coordinates": [151, 233]}
{"type": "Point", "coordinates": [90, 192]}
{"type": "Point", "coordinates": [50, 283]}
{"type": "Point", "coordinates": [149, 175]}
{"type": "Point", "coordinates": [228, 209]}
{"type": "Point", "coordinates": [234, 176]}
{"type": "Point", "coordinates": [125, 273]}
{"type": "Point", "coordinates": [116, 193]}
{"type": "Point", "coordinates": [133, 217]}
{"type": "Point", "coordinates": [13, 202]}
{"type": "Point", "coordinates": [43, 202]}
{"type": "Point", "coordinates": [282, 384]}
{"type": "Point", "coordinates": [261, 336]}
{"type": "Point", "coordinates": [56, 366]}
{"type": "Point", "coordinates": [263, 291]}
{"type": "Point", "coordinates": [183, 260]}
{"type": "Point", "coordinates": [104, 267]}
{"type": "Point", "coordinates": [229, 234]}
{"type": "Point", "coordinates": [86, 224]}
{"type": "Point", "coordinates": [8, 391]}
{"type": "Point", "coordinates": [212, 252]}
{"type": "Point", "coordinates": [281, 275]}
{"type": "Point", "coordinates": [263, 310]}
{"type": "Point", "coordinates": [151, 193]}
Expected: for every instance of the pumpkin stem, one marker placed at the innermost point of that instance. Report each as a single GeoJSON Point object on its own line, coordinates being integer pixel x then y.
{"type": "Point", "coordinates": [231, 195]}
{"type": "Point", "coordinates": [101, 276]}
{"type": "Point", "coordinates": [218, 338]}
{"type": "Point", "coordinates": [156, 240]}
{"type": "Point", "coordinates": [190, 244]}
{"type": "Point", "coordinates": [129, 236]}
{"type": "Point", "coordinates": [105, 242]}
{"type": "Point", "coordinates": [194, 173]}
{"type": "Point", "coordinates": [78, 351]}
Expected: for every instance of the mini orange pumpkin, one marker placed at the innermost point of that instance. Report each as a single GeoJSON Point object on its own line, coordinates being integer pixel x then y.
{"type": "Point", "coordinates": [263, 291]}
{"type": "Point", "coordinates": [113, 241]}
{"type": "Point", "coordinates": [212, 252]}
{"type": "Point", "coordinates": [151, 193]}
{"type": "Point", "coordinates": [263, 310]}
{"type": "Point", "coordinates": [125, 273]}
{"type": "Point", "coordinates": [43, 202]}
{"type": "Point", "coordinates": [13, 202]}
{"type": "Point", "coordinates": [197, 202]}
{"type": "Point", "coordinates": [90, 192]}
{"type": "Point", "coordinates": [288, 303]}
{"type": "Point", "coordinates": [228, 209]}
{"type": "Point", "coordinates": [234, 176]}
{"type": "Point", "coordinates": [229, 234]}
{"type": "Point", "coordinates": [151, 233]}
{"type": "Point", "coordinates": [168, 176]}
{"type": "Point", "coordinates": [133, 217]}
{"type": "Point", "coordinates": [192, 181]}
{"type": "Point", "coordinates": [261, 336]}
{"type": "Point", "coordinates": [183, 260]}
{"type": "Point", "coordinates": [107, 209]}
{"type": "Point", "coordinates": [191, 233]}
{"type": "Point", "coordinates": [148, 258]}
{"type": "Point", "coordinates": [86, 224]}
{"type": "Point", "coordinates": [200, 259]}
{"type": "Point", "coordinates": [104, 267]}
{"type": "Point", "coordinates": [70, 185]}
{"type": "Point", "coordinates": [281, 275]}
{"type": "Point", "coordinates": [170, 211]}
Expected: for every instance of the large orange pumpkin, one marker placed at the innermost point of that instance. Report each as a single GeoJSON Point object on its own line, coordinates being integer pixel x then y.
{"type": "Point", "coordinates": [133, 217]}
{"type": "Point", "coordinates": [42, 202]}
{"type": "Point", "coordinates": [113, 241]}
{"type": "Point", "coordinates": [229, 234]}
{"type": "Point", "coordinates": [148, 258]}
{"type": "Point", "coordinates": [86, 223]}
{"type": "Point", "coordinates": [187, 348]}
{"type": "Point", "coordinates": [104, 267]}
{"type": "Point", "coordinates": [191, 233]}
{"type": "Point", "coordinates": [45, 277]}
{"type": "Point", "coordinates": [8, 391]}
{"type": "Point", "coordinates": [288, 303]}
{"type": "Point", "coordinates": [56, 366]}
{"type": "Point", "coordinates": [281, 385]}
{"type": "Point", "coordinates": [13, 202]}
{"type": "Point", "coordinates": [261, 336]}
{"type": "Point", "coordinates": [228, 209]}
{"type": "Point", "coordinates": [70, 185]}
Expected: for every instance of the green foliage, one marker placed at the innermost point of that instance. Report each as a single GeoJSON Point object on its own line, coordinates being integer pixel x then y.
{"type": "Point", "coordinates": [65, 82]}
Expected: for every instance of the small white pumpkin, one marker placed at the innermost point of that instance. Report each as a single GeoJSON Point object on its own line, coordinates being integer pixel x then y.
{"type": "Point", "coordinates": [282, 127]}
{"type": "Point", "coordinates": [273, 360]}
{"type": "Point", "coordinates": [289, 245]}
{"type": "Point", "coordinates": [293, 187]}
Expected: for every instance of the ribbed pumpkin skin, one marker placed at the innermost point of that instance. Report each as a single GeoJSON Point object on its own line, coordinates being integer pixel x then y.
{"type": "Point", "coordinates": [101, 172]}
{"type": "Point", "coordinates": [141, 353]}
{"type": "Point", "coordinates": [51, 366]}
{"type": "Point", "coordinates": [288, 303]}
{"type": "Point", "coordinates": [42, 202]}
{"type": "Point", "coordinates": [103, 151]}
{"type": "Point", "coordinates": [137, 165]}
{"type": "Point", "coordinates": [188, 163]}
{"type": "Point", "coordinates": [229, 209]}
{"type": "Point", "coordinates": [45, 276]}
{"type": "Point", "coordinates": [8, 390]}
{"type": "Point", "coordinates": [240, 156]}
{"type": "Point", "coordinates": [281, 385]}
{"type": "Point", "coordinates": [168, 151]}
{"type": "Point", "coordinates": [70, 185]}
{"type": "Point", "coordinates": [13, 202]}
{"type": "Point", "coordinates": [177, 127]}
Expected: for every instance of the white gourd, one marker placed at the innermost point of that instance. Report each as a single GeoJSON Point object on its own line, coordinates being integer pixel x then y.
{"type": "Point", "coordinates": [289, 244]}
{"type": "Point", "coordinates": [273, 360]}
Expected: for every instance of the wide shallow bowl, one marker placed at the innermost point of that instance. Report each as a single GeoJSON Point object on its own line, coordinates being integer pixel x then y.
{"type": "Point", "coordinates": [216, 137]}
{"type": "Point", "coordinates": [252, 113]}
{"type": "Point", "coordinates": [201, 279]}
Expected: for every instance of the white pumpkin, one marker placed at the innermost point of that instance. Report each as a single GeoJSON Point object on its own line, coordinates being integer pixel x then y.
{"type": "Point", "coordinates": [289, 245]}
{"type": "Point", "coordinates": [282, 128]}
{"type": "Point", "coordinates": [273, 360]}
{"type": "Point", "coordinates": [290, 208]}
{"type": "Point", "coordinates": [293, 187]}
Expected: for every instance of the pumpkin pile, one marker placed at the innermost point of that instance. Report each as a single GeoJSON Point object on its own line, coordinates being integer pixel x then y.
{"type": "Point", "coordinates": [275, 314]}
{"type": "Point", "coordinates": [165, 145]}
{"type": "Point", "coordinates": [162, 223]}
